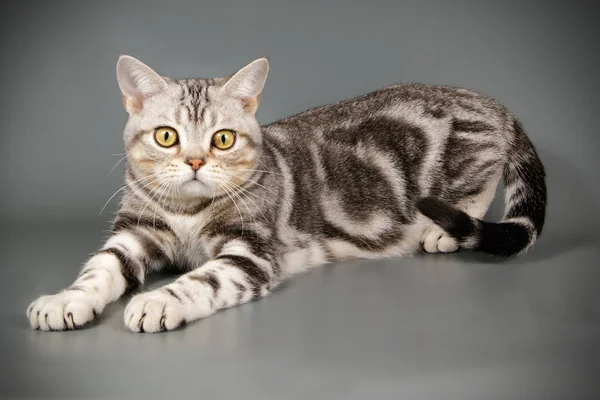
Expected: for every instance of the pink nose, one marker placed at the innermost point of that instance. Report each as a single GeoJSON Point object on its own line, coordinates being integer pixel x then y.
{"type": "Point", "coordinates": [195, 163]}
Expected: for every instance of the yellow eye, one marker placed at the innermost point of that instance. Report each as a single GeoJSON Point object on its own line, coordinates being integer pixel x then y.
{"type": "Point", "coordinates": [166, 136]}
{"type": "Point", "coordinates": [223, 139]}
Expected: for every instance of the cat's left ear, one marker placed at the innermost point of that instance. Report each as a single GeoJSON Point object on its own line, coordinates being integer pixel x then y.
{"type": "Point", "coordinates": [137, 82]}
{"type": "Point", "coordinates": [247, 84]}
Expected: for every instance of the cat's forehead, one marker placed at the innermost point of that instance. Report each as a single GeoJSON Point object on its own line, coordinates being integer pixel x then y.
{"type": "Point", "coordinates": [194, 102]}
{"type": "Point", "coordinates": [194, 98]}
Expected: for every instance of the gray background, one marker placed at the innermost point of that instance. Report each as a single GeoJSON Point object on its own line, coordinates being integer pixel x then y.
{"type": "Point", "coordinates": [456, 326]}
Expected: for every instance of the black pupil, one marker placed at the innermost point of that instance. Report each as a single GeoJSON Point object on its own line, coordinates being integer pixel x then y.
{"type": "Point", "coordinates": [166, 135]}
{"type": "Point", "coordinates": [223, 138]}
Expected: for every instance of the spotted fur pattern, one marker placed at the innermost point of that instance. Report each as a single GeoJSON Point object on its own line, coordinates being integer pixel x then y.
{"type": "Point", "coordinates": [403, 169]}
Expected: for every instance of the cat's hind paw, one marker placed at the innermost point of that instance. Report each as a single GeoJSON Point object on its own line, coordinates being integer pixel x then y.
{"type": "Point", "coordinates": [69, 309]}
{"type": "Point", "coordinates": [436, 240]}
{"type": "Point", "coordinates": [154, 311]}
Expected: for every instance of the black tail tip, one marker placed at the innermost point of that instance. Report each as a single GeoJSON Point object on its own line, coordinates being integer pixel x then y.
{"type": "Point", "coordinates": [504, 239]}
{"type": "Point", "coordinates": [457, 223]}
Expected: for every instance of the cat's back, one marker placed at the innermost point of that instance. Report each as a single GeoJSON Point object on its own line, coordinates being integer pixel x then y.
{"type": "Point", "coordinates": [421, 104]}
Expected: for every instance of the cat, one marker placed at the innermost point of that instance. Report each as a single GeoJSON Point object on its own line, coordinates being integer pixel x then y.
{"type": "Point", "coordinates": [240, 208]}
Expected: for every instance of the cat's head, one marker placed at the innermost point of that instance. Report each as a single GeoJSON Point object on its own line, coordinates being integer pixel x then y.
{"type": "Point", "coordinates": [191, 138]}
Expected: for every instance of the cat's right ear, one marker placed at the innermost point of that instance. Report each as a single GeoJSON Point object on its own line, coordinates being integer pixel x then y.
{"type": "Point", "coordinates": [137, 82]}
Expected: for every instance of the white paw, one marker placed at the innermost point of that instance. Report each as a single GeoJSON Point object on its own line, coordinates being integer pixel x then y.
{"type": "Point", "coordinates": [435, 240]}
{"type": "Point", "coordinates": [154, 311]}
{"type": "Point", "coordinates": [66, 310]}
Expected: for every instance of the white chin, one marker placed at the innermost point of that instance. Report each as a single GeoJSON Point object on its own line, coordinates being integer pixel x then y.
{"type": "Point", "coordinates": [195, 189]}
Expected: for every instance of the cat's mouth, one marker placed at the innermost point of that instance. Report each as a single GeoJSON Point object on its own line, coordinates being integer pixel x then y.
{"type": "Point", "coordinates": [195, 186]}
{"type": "Point", "coordinates": [194, 180]}
{"type": "Point", "coordinates": [194, 177]}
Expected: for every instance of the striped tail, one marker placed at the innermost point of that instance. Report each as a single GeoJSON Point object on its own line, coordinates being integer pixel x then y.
{"type": "Point", "coordinates": [525, 199]}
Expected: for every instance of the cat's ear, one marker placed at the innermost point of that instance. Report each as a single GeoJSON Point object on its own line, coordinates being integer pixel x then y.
{"type": "Point", "coordinates": [137, 82]}
{"type": "Point", "coordinates": [247, 84]}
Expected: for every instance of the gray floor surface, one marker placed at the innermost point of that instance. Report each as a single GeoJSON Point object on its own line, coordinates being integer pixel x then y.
{"type": "Point", "coordinates": [459, 326]}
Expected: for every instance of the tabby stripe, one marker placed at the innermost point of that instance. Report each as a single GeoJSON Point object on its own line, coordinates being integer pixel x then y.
{"type": "Point", "coordinates": [137, 137]}
{"type": "Point", "coordinates": [153, 251]}
{"type": "Point", "coordinates": [209, 279]}
{"type": "Point", "coordinates": [185, 292]}
{"type": "Point", "coordinates": [173, 294]}
{"type": "Point", "coordinates": [128, 221]}
{"type": "Point", "coordinates": [129, 268]}
{"type": "Point", "coordinates": [76, 288]}
{"type": "Point", "coordinates": [256, 275]}
{"type": "Point", "coordinates": [205, 103]}
{"type": "Point", "coordinates": [471, 126]}
{"type": "Point", "coordinates": [87, 277]}
{"type": "Point", "coordinates": [250, 140]}
{"type": "Point", "coordinates": [239, 286]}
{"type": "Point", "coordinates": [258, 245]}
{"type": "Point", "coordinates": [373, 245]}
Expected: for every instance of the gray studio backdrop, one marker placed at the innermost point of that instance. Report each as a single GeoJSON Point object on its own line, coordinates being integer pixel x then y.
{"type": "Point", "coordinates": [457, 326]}
{"type": "Point", "coordinates": [62, 114]}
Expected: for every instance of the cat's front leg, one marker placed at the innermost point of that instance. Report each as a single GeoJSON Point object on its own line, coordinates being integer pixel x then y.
{"type": "Point", "coordinates": [235, 276]}
{"type": "Point", "coordinates": [120, 266]}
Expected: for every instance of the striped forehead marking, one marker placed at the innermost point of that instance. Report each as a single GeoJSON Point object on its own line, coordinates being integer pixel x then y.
{"type": "Point", "coordinates": [194, 97]}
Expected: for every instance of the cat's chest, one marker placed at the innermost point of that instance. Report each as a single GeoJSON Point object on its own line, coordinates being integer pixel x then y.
{"type": "Point", "coordinates": [189, 249]}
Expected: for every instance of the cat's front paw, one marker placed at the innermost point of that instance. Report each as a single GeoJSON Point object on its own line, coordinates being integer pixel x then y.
{"type": "Point", "coordinates": [154, 311]}
{"type": "Point", "coordinates": [69, 309]}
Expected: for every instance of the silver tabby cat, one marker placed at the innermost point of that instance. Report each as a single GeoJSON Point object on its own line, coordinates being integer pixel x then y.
{"type": "Point", "coordinates": [240, 208]}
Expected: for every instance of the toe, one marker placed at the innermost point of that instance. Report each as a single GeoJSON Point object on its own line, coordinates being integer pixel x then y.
{"type": "Point", "coordinates": [33, 313]}
{"type": "Point", "coordinates": [51, 316]}
{"type": "Point", "coordinates": [134, 314]}
{"type": "Point", "coordinates": [173, 318]}
{"type": "Point", "coordinates": [431, 240]}
{"type": "Point", "coordinates": [154, 311]}
{"type": "Point", "coordinates": [447, 244]}
{"type": "Point", "coordinates": [65, 310]}
{"type": "Point", "coordinates": [77, 313]}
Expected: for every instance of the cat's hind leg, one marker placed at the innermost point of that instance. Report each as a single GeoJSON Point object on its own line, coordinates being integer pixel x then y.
{"type": "Point", "coordinates": [436, 240]}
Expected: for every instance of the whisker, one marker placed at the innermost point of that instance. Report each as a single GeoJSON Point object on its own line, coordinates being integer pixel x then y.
{"type": "Point", "coordinates": [260, 170]}
{"type": "Point", "coordinates": [157, 203]}
{"type": "Point", "coordinates": [146, 182]}
{"type": "Point", "coordinates": [149, 201]}
{"type": "Point", "coordinates": [235, 193]}
{"type": "Point", "coordinates": [115, 166]}
{"type": "Point", "coordinates": [115, 193]}
{"type": "Point", "coordinates": [254, 182]}
{"type": "Point", "coordinates": [270, 201]}
{"type": "Point", "coordinates": [238, 209]}
{"type": "Point", "coordinates": [240, 193]}
{"type": "Point", "coordinates": [258, 208]}
{"type": "Point", "coordinates": [212, 187]}
{"type": "Point", "coordinates": [133, 194]}
{"type": "Point", "coordinates": [145, 185]}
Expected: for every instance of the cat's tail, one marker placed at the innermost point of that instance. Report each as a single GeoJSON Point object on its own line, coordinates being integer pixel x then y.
{"type": "Point", "coordinates": [525, 211]}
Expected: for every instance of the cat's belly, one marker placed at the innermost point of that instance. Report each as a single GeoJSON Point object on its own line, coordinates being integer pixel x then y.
{"type": "Point", "coordinates": [317, 252]}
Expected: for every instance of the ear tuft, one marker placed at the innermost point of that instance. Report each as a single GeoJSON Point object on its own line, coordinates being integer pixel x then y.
{"type": "Point", "coordinates": [137, 82]}
{"type": "Point", "coordinates": [248, 83]}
